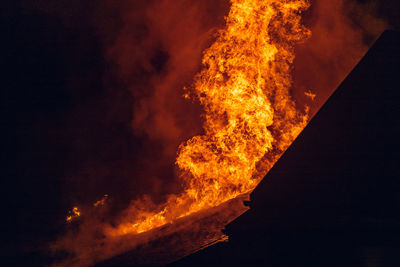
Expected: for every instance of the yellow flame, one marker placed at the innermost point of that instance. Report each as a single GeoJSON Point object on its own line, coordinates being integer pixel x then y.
{"type": "Point", "coordinates": [250, 116]}
{"type": "Point", "coordinates": [74, 213]}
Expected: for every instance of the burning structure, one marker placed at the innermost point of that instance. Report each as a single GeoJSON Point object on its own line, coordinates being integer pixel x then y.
{"type": "Point", "coordinates": [250, 120]}
{"type": "Point", "coordinates": [333, 197]}
{"type": "Point", "coordinates": [250, 116]}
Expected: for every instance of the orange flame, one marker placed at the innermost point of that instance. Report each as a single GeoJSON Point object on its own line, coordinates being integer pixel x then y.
{"type": "Point", "coordinates": [311, 95]}
{"type": "Point", "coordinates": [74, 213]}
{"type": "Point", "coordinates": [101, 202]}
{"type": "Point", "coordinates": [250, 118]}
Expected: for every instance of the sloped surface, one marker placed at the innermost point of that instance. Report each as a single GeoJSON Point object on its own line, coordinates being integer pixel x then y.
{"type": "Point", "coordinates": [333, 199]}
{"type": "Point", "coordinates": [346, 161]}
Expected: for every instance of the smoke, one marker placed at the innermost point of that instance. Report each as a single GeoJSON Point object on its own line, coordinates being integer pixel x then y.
{"type": "Point", "coordinates": [167, 46]}
{"type": "Point", "coordinates": [155, 52]}
{"type": "Point", "coordinates": [342, 32]}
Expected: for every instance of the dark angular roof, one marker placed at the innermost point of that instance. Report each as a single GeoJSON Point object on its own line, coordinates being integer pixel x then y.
{"type": "Point", "coordinates": [333, 199]}
{"type": "Point", "coordinates": [345, 164]}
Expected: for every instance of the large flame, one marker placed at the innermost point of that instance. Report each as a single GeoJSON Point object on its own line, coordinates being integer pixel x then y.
{"type": "Point", "coordinates": [250, 118]}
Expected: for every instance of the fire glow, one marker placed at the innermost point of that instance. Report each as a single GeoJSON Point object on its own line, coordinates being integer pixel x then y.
{"type": "Point", "coordinates": [250, 118]}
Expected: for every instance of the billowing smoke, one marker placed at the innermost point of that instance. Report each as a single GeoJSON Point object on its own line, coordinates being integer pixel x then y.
{"type": "Point", "coordinates": [155, 52]}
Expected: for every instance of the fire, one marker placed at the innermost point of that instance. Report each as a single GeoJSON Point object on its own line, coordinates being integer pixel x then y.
{"type": "Point", "coordinates": [311, 95]}
{"type": "Point", "coordinates": [74, 213]}
{"type": "Point", "coordinates": [101, 202]}
{"type": "Point", "coordinates": [250, 118]}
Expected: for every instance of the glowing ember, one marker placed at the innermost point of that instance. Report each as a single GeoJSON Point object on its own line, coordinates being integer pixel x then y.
{"type": "Point", "coordinates": [250, 118]}
{"type": "Point", "coordinates": [101, 202]}
{"type": "Point", "coordinates": [74, 213]}
{"type": "Point", "coordinates": [310, 94]}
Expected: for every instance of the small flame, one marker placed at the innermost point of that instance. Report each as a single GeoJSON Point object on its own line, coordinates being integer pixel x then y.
{"type": "Point", "coordinates": [101, 202]}
{"type": "Point", "coordinates": [73, 214]}
{"type": "Point", "coordinates": [310, 95]}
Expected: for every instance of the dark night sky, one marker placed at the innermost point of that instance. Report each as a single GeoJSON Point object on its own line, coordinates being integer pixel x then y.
{"type": "Point", "coordinates": [60, 119]}
{"type": "Point", "coordinates": [57, 112]}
